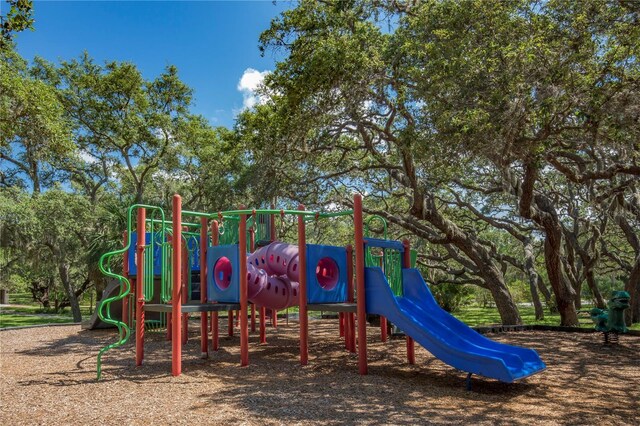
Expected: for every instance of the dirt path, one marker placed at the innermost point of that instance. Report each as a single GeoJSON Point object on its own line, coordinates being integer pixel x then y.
{"type": "Point", "coordinates": [47, 375]}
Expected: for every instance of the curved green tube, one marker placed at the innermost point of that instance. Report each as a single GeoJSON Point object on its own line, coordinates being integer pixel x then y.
{"type": "Point", "coordinates": [104, 310]}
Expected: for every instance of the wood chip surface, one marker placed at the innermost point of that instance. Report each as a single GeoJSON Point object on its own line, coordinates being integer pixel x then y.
{"type": "Point", "coordinates": [47, 376]}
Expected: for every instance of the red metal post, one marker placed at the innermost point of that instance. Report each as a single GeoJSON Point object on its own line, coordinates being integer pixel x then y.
{"type": "Point", "coordinates": [383, 328]}
{"type": "Point", "coordinates": [244, 330]}
{"type": "Point", "coordinates": [132, 299]}
{"type": "Point", "coordinates": [350, 334]}
{"type": "Point", "coordinates": [214, 331]}
{"type": "Point", "coordinates": [176, 296]}
{"type": "Point", "coordinates": [274, 318]}
{"type": "Point", "coordinates": [141, 229]}
{"type": "Point", "coordinates": [214, 315]}
{"type": "Point", "coordinates": [204, 341]}
{"type": "Point", "coordinates": [361, 300]}
{"type": "Point", "coordinates": [253, 318]}
{"type": "Point", "coordinates": [125, 273]}
{"type": "Point", "coordinates": [263, 325]}
{"type": "Point", "coordinates": [302, 268]}
{"type": "Point", "coordinates": [406, 263]}
{"type": "Point", "coordinates": [272, 225]}
{"type": "Point", "coordinates": [341, 323]}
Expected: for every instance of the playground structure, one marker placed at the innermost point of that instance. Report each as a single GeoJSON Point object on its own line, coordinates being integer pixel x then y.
{"type": "Point", "coordinates": [219, 251]}
{"type": "Point", "coordinates": [610, 322]}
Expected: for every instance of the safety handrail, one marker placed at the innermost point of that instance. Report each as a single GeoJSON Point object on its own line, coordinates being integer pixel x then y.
{"type": "Point", "coordinates": [288, 212]}
{"type": "Point", "coordinates": [389, 259]}
{"type": "Point", "coordinates": [372, 218]}
{"type": "Point", "coordinates": [391, 244]}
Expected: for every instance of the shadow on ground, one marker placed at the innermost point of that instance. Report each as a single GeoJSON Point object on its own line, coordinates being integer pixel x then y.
{"type": "Point", "coordinates": [585, 379]}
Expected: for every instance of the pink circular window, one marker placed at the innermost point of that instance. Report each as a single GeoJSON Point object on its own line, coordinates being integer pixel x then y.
{"type": "Point", "coordinates": [327, 273]}
{"type": "Point", "coordinates": [222, 272]}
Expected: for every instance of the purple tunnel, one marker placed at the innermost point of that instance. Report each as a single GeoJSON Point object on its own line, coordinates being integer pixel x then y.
{"type": "Point", "coordinates": [272, 276]}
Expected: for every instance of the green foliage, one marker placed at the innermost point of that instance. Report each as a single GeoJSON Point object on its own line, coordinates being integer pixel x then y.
{"type": "Point", "coordinates": [486, 132]}
{"type": "Point", "coordinates": [17, 19]}
{"type": "Point", "coordinates": [443, 112]}
{"type": "Point", "coordinates": [109, 137]}
{"type": "Point", "coordinates": [451, 297]}
{"type": "Point", "coordinates": [121, 121]}
{"type": "Point", "coordinates": [34, 133]}
{"type": "Point", "coordinates": [13, 283]}
{"type": "Point", "coordinates": [46, 235]}
{"type": "Point", "coordinates": [520, 291]}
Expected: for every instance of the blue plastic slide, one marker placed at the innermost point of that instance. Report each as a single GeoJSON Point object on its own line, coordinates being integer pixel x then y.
{"type": "Point", "coordinates": [418, 314]}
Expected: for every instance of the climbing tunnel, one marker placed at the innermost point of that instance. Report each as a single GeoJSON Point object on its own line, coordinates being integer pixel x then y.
{"type": "Point", "coordinates": [273, 275]}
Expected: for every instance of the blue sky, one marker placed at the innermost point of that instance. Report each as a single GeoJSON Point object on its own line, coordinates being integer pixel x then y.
{"type": "Point", "coordinates": [214, 44]}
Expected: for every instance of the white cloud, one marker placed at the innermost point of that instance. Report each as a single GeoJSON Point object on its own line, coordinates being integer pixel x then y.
{"type": "Point", "coordinates": [174, 175]}
{"type": "Point", "coordinates": [249, 84]}
{"type": "Point", "coordinates": [87, 157]}
{"type": "Point", "coordinates": [332, 207]}
{"type": "Point", "coordinates": [161, 134]}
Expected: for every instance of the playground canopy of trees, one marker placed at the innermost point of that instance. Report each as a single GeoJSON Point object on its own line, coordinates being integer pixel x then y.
{"type": "Point", "coordinates": [502, 138]}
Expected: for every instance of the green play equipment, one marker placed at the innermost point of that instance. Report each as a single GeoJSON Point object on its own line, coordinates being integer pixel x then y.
{"type": "Point", "coordinates": [611, 321]}
{"type": "Point", "coordinates": [389, 259]}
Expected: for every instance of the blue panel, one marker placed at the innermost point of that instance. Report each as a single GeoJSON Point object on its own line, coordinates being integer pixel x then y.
{"type": "Point", "coordinates": [232, 293]}
{"type": "Point", "coordinates": [376, 242]}
{"type": "Point", "coordinates": [317, 294]}
{"type": "Point", "coordinates": [452, 341]}
{"type": "Point", "coordinates": [194, 249]}
{"type": "Point", "coordinates": [157, 253]}
{"type": "Point", "coordinates": [193, 243]}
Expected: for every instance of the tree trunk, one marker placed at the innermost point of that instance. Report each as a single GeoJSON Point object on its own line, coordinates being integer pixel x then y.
{"type": "Point", "coordinates": [542, 288]}
{"type": "Point", "coordinates": [139, 192]}
{"type": "Point", "coordinates": [633, 284]}
{"type": "Point", "coordinates": [63, 269]}
{"type": "Point", "coordinates": [535, 298]}
{"type": "Point", "coordinates": [571, 272]}
{"type": "Point", "coordinates": [486, 268]}
{"type": "Point", "coordinates": [578, 289]}
{"type": "Point", "coordinates": [507, 308]}
{"type": "Point", "coordinates": [595, 291]}
{"type": "Point", "coordinates": [588, 261]}
{"type": "Point", "coordinates": [424, 207]}
{"type": "Point", "coordinates": [636, 303]}
{"type": "Point", "coordinates": [632, 315]}
{"type": "Point", "coordinates": [565, 295]}
{"type": "Point", "coordinates": [40, 293]}
{"type": "Point", "coordinates": [544, 214]}
{"type": "Point", "coordinates": [532, 275]}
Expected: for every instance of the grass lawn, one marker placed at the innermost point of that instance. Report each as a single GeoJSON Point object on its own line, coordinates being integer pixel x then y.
{"type": "Point", "coordinates": [12, 316]}
{"type": "Point", "coordinates": [478, 316]}
{"type": "Point", "coordinates": [23, 312]}
{"type": "Point", "coordinates": [15, 320]}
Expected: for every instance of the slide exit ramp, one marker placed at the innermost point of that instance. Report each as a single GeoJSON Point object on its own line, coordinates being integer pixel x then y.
{"type": "Point", "coordinates": [418, 314]}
